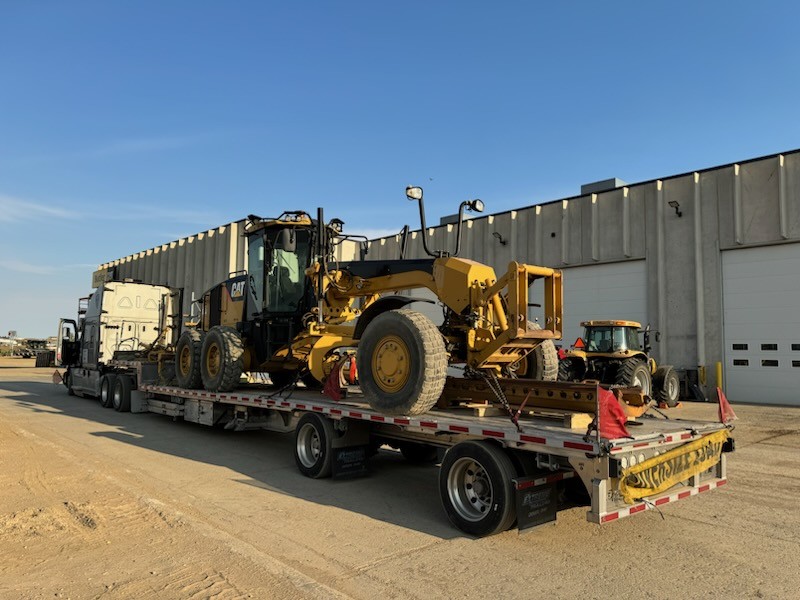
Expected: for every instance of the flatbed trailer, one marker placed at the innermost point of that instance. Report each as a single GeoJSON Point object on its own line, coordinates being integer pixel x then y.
{"type": "Point", "coordinates": [493, 475]}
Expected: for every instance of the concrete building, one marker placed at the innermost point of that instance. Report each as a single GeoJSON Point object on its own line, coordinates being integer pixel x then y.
{"type": "Point", "coordinates": [710, 258]}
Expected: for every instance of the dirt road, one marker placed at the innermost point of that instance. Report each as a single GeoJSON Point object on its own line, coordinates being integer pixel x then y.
{"type": "Point", "coordinates": [99, 504]}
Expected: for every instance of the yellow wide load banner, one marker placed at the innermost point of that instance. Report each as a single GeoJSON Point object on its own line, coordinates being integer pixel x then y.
{"type": "Point", "coordinates": [658, 474]}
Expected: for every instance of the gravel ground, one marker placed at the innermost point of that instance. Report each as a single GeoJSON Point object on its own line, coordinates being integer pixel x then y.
{"type": "Point", "coordinates": [98, 504]}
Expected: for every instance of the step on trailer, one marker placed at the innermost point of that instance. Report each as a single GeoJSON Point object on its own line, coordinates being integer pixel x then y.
{"type": "Point", "coordinates": [493, 475]}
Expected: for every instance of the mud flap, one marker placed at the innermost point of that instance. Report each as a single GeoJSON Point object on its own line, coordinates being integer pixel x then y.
{"type": "Point", "coordinates": [536, 504]}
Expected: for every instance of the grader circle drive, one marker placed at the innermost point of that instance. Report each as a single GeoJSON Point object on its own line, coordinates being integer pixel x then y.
{"type": "Point", "coordinates": [296, 309]}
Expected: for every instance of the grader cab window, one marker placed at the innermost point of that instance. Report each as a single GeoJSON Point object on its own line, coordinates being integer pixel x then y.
{"type": "Point", "coordinates": [286, 276]}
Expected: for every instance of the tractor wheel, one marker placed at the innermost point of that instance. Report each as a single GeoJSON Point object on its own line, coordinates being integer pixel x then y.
{"type": "Point", "coordinates": [222, 359]}
{"type": "Point", "coordinates": [635, 373]}
{"type": "Point", "coordinates": [477, 488]}
{"type": "Point", "coordinates": [666, 386]}
{"type": "Point", "coordinates": [571, 369]}
{"type": "Point", "coordinates": [403, 363]}
{"type": "Point", "coordinates": [541, 363]}
{"type": "Point", "coordinates": [187, 360]}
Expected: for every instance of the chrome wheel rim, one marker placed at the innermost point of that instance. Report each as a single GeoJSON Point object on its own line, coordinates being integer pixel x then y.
{"type": "Point", "coordinates": [309, 445]}
{"type": "Point", "coordinates": [470, 489]}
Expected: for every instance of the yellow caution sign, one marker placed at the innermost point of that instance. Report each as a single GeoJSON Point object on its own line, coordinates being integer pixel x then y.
{"type": "Point", "coordinates": [658, 474]}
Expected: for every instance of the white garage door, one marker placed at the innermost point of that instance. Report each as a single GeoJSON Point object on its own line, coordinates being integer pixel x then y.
{"type": "Point", "coordinates": [761, 302]}
{"type": "Point", "coordinates": [612, 291]}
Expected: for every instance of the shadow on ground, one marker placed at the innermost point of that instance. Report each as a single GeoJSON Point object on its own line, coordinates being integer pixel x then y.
{"type": "Point", "coordinates": [395, 491]}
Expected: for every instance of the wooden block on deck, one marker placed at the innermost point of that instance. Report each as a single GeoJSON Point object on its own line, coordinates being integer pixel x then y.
{"type": "Point", "coordinates": [568, 418]}
{"type": "Point", "coordinates": [483, 410]}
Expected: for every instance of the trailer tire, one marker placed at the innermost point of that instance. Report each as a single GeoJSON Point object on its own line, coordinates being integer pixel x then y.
{"type": "Point", "coordinates": [419, 454]}
{"type": "Point", "coordinates": [107, 384]}
{"type": "Point", "coordinates": [187, 360]}
{"type": "Point", "coordinates": [666, 386]}
{"type": "Point", "coordinates": [313, 450]}
{"type": "Point", "coordinates": [122, 393]}
{"type": "Point", "coordinates": [634, 372]}
{"type": "Point", "coordinates": [403, 363]}
{"type": "Point", "coordinates": [477, 489]}
{"type": "Point", "coordinates": [222, 359]}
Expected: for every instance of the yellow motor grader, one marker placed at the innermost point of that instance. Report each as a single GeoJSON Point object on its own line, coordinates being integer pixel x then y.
{"type": "Point", "coordinates": [295, 309]}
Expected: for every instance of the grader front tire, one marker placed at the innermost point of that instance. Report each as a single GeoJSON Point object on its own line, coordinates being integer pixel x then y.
{"type": "Point", "coordinates": [402, 363]}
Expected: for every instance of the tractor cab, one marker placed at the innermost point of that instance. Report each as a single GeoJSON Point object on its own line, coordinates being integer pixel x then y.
{"type": "Point", "coordinates": [611, 337]}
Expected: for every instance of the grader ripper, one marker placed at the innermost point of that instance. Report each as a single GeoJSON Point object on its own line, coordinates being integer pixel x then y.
{"type": "Point", "coordinates": [295, 309]}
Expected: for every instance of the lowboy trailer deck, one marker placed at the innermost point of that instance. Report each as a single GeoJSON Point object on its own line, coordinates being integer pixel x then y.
{"type": "Point", "coordinates": [493, 474]}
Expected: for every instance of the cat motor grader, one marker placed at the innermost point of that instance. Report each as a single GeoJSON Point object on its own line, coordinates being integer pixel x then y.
{"type": "Point", "coordinates": [296, 308]}
{"type": "Point", "coordinates": [610, 352]}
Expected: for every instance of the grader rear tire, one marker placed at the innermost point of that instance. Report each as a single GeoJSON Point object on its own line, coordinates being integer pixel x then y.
{"type": "Point", "coordinates": [402, 363]}
{"type": "Point", "coordinates": [541, 363]}
{"type": "Point", "coordinates": [187, 360]}
{"type": "Point", "coordinates": [222, 359]}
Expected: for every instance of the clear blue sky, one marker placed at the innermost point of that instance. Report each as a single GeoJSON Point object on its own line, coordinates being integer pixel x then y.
{"type": "Point", "coordinates": [124, 125]}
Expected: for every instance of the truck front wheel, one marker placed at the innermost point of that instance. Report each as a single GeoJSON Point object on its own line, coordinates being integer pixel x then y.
{"type": "Point", "coordinates": [477, 489]}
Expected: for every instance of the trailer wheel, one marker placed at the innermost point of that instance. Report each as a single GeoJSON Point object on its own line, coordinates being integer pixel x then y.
{"type": "Point", "coordinates": [68, 383]}
{"type": "Point", "coordinates": [667, 386]}
{"type": "Point", "coordinates": [222, 363]}
{"type": "Point", "coordinates": [418, 453]}
{"type": "Point", "coordinates": [313, 450]}
{"type": "Point", "coordinates": [122, 393]}
{"type": "Point", "coordinates": [635, 373]}
{"type": "Point", "coordinates": [107, 384]}
{"type": "Point", "coordinates": [403, 363]}
{"type": "Point", "coordinates": [476, 488]}
{"type": "Point", "coordinates": [187, 360]}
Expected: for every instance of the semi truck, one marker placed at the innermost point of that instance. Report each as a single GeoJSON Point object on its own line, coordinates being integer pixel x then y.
{"type": "Point", "coordinates": [498, 468]}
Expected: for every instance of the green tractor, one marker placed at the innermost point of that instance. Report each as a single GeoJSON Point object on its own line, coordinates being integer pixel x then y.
{"type": "Point", "coordinates": [610, 352]}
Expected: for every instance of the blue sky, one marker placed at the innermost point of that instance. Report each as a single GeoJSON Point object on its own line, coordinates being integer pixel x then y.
{"type": "Point", "coordinates": [124, 125]}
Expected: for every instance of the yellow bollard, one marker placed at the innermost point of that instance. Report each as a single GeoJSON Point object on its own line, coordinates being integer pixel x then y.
{"type": "Point", "coordinates": [719, 376]}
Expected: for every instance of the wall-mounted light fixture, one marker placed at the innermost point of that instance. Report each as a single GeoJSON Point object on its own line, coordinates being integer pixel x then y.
{"type": "Point", "coordinates": [677, 206]}
{"type": "Point", "coordinates": [499, 237]}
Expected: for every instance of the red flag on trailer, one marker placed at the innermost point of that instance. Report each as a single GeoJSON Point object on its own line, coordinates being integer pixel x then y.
{"type": "Point", "coordinates": [611, 418]}
{"type": "Point", "coordinates": [726, 413]}
{"type": "Point", "coordinates": [333, 389]}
